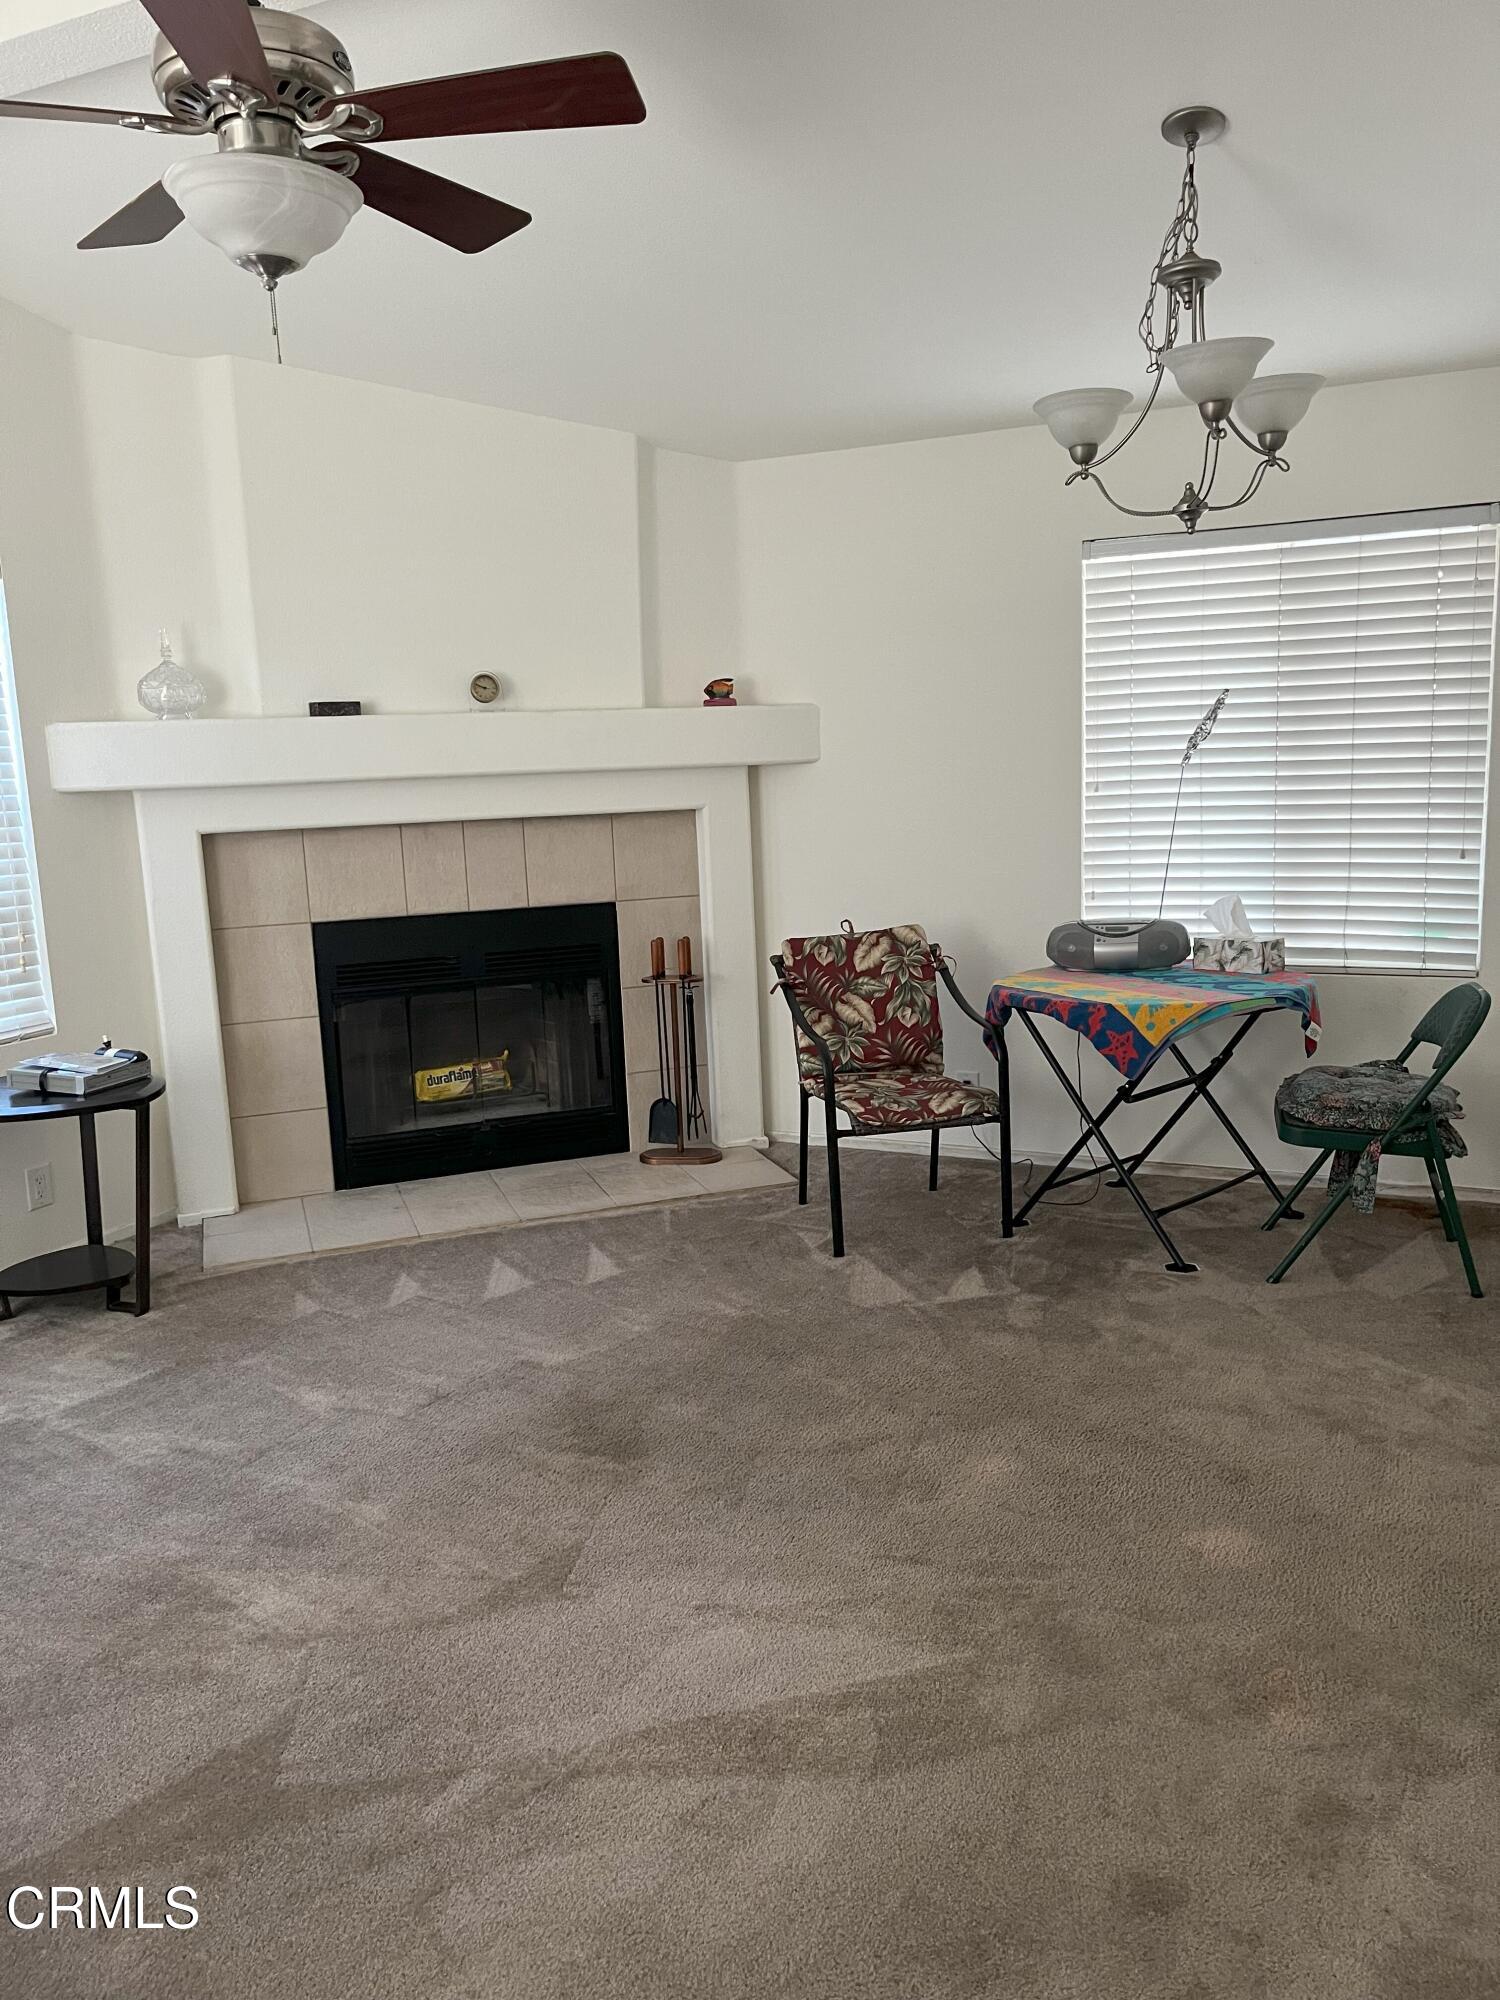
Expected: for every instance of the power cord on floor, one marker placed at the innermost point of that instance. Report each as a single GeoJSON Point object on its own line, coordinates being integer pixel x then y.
{"type": "Point", "coordinates": [1030, 1165]}
{"type": "Point", "coordinates": [1055, 1201]}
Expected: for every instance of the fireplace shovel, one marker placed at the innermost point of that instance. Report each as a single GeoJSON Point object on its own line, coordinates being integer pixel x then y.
{"type": "Point", "coordinates": [661, 1120]}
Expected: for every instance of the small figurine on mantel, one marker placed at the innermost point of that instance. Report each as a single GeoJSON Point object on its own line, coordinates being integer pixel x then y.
{"type": "Point", "coordinates": [719, 694]}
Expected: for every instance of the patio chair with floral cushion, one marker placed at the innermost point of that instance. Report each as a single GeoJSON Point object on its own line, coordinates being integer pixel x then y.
{"type": "Point", "coordinates": [869, 1041]}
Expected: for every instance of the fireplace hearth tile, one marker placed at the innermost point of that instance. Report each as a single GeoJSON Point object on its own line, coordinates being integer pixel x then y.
{"type": "Point", "coordinates": [463, 1204]}
{"type": "Point", "coordinates": [357, 1215]}
{"type": "Point", "coordinates": [744, 1167]}
{"type": "Point", "coordinates": [507, 1178]}
{"type": "Point", "coordinates": [628, 1186]}
{"type": "Point", "coordinates": [559, 1194]}
{"type": "Point", "coordinates": [254, 1215]}
{"type": "Point", "coordinates": [455, 1202]}
{"type": "Point", "coordinates": [262, 1233]}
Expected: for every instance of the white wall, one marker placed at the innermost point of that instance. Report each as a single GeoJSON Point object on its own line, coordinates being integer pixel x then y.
{"type": "Point", "coordinates": [690, 557]}
{"type": "Point", "coordinates": [310, 538]}
{"type": "Point", "coordinates": [400, 543]}
{"type": "Point", "coordinates": [54, 573]}
{"type": "Point", "coordinates": [927, 596]}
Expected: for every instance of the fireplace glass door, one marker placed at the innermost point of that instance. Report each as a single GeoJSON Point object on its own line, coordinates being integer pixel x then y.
{"type": "Point", "coordinates": [504, 1045]}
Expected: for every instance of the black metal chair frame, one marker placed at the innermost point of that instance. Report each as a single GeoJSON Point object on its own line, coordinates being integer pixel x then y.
{"type": "Point", "coordinates": [936, 1126]}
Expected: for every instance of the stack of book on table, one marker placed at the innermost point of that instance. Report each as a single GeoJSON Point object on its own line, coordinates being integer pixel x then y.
{"type": "Point", "coordinates": [104, 1068]}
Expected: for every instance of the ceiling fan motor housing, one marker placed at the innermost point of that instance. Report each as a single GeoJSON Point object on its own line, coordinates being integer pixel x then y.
{"type": "Point", "coordinates": [309, 63]}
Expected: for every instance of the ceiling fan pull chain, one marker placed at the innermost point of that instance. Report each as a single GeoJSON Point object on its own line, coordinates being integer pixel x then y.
{"type": "Point", "coordinates": [275, 321]}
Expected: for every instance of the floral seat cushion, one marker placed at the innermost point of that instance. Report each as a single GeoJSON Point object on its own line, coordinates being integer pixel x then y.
{"type": "Point", "coordinates": [890, 1097]}
{"type": "Point", "coordinates": [1365, 1098]}
{"type": "Point", "coordinates": [872, 996]}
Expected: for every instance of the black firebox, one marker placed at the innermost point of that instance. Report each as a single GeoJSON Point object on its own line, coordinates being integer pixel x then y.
{"type": "Point", "coordinates": [479, 1039]}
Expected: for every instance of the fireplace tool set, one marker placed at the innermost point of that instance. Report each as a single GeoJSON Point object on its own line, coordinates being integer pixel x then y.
{"type": "Point", "coordinates": [676, 1127]}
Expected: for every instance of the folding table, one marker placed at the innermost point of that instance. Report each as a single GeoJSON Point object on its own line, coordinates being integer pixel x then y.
{"type": "Point", "coordinates": [1135, 1019]}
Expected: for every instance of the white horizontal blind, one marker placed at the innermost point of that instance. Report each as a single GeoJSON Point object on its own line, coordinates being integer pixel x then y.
{"type": "Point", "coordinates": [25, 991]}
{"type": "Point", "coordinates": [1342, 792]}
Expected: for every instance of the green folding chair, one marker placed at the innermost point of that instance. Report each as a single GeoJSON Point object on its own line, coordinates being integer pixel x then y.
{"type": "Point", "coordinates": [1449, 1026]}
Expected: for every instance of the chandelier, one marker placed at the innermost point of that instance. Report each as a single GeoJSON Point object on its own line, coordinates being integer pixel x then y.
{"type": "Point", "coordinates": [1218, 375]}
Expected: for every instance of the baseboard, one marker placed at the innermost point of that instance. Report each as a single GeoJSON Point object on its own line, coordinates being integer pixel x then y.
{"type": "Point", "coordinates": [166, 1218]}
{"type": "Point", "coordinates": [964, 1145]}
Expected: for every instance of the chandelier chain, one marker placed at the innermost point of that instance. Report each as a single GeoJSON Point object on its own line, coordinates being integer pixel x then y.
{"type": "Point", "coordinates": [1181, 238]}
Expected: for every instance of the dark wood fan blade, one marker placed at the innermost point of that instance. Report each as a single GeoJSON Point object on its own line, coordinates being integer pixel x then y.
{"type": "Point", "coordinates": [456, 215]}
{"type": "Point", "coordinates": [531, 97]}
{"type": "Point", "coordinates": [214, 38]}
{"type": "Point", "coordinates": [147, 219]}
{"type": "Point", "coordinates": [93, 114]}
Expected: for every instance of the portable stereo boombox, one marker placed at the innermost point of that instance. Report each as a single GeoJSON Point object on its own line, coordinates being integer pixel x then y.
{"type": "Point", "coordinates": [1147, 947]}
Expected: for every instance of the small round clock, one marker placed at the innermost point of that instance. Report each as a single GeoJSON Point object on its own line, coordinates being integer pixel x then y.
{"type": "Point", "coordinates": [485, 688]}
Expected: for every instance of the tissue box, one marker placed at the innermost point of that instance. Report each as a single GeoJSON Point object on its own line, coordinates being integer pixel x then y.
{"type": "Point", "coordinates": [1239, 954]}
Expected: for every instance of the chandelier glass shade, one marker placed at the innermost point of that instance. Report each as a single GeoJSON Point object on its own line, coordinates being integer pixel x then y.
{"type": "Point", "coordinates": [1272, 405]}
{"type": "Point", "coordinates": [1217, 375]}
{"type": "Point", "coordinates": [1215, 371]}
{"type": "Point", "coordinates": [1083, 416]}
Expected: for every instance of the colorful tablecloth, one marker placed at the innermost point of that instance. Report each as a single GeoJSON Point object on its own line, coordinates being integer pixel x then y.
{"type": "Point", "coordinates": [1131, 1016]}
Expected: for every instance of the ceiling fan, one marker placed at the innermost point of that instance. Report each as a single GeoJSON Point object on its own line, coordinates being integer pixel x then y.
{"type": "Point", "coordinates": [294, 160]}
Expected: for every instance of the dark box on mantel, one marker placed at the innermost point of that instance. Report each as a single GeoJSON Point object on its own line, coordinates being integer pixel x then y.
{"type": "Point", "coordinates": [334, 708]}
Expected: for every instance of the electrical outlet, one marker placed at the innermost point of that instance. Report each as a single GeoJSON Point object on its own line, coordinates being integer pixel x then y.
{"type": "Point", "coordinates": [39, 1187]}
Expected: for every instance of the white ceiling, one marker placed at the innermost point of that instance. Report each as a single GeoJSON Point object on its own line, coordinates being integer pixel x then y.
{"type": "Point", "coordinates": [849, 220]}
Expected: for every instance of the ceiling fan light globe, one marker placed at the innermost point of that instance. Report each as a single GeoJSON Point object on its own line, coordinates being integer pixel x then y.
{"type": "Point", "coordinates": [264, 210]}
{"type": "Point", "coordinates": [1276, 403]}
{"type": "Point", "coordinates": [1216, 371]}
{"type": "Point", "coordinates": [1079, 418]}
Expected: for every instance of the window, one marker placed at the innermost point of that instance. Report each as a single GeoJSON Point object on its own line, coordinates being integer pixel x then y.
{"type": "Point", "coordinates": [1342, 792]}
{"type": "Point", "coordinates": [25, 990]}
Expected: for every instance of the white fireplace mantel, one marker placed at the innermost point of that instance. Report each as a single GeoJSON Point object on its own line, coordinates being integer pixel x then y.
{"type": "Point", "coordinates": [253, 773]}
{"type": "Point", "coordinates": [300, 749]}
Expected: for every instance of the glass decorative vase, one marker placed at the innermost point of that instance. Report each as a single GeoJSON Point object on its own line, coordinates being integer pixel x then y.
{"type": "Point", "coordinates": [170, 690]}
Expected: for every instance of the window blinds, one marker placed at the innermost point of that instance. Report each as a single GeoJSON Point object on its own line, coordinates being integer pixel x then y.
{"type": "Point", "coordinates": [25, 993]}
{"type": "Point", "coordinates": [1342, 792]}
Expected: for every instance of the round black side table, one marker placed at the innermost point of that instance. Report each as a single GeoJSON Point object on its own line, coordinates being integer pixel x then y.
{"type": "Point", "coordinates": [95, 1264]}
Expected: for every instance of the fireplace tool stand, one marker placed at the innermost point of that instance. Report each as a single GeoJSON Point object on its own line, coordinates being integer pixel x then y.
{"type": "Point", "coordinates": [677, 989]}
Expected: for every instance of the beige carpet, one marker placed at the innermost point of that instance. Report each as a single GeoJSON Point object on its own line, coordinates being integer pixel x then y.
{"type": "Point", "coordinates": [649, 1606]}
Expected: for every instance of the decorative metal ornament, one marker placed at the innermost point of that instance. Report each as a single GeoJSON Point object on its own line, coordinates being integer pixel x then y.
{"type": "Point", "coordinates": [1218, 375]}
{"type": "Point", "coordinates": [485, 688]}
{"type": "Point", "coordinates": [170, 691]}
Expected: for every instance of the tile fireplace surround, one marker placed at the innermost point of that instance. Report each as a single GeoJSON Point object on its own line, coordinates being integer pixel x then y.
{"type": "Point", "coordinates": [267, 890]}
{"type": "Point", "coordinates": [378, 815]}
